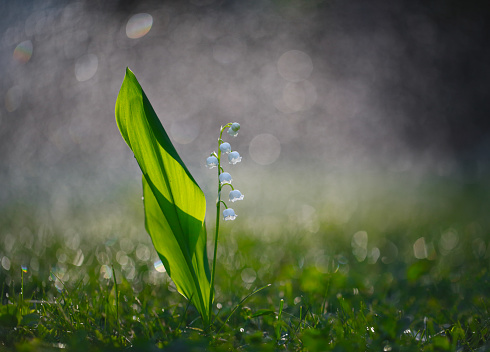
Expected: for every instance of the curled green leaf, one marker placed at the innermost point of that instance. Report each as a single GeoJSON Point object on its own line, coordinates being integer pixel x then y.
{"type": "Point", "coordinates": [175, 206]}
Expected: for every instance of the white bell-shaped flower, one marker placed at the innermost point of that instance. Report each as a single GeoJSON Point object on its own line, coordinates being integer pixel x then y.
{"type": "Point", "coordinates": [235, 195]}
{"type": "Point", "coordinates": [235, 126]}
{"type": "Point", "coordinates": [225, 177]}
{"type": "Point", "coordinates": [211, 162]}
{"type": "Point", "coordinates": [234, 157]}
{"type": "Point", "coordinates": [232, 133]}
{"type": "Point", "coordinates": [225, 147]}
{"type": "Point", "coordinates": [229, 214]}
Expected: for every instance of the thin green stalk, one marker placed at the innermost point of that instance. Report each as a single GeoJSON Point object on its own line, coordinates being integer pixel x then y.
{"type": "Point", "coordinates": [324, 301]}
{"type": "Point", "coordinates": [211, 290]}
{"type": "Point", "coordinates": [22, 286]}
{"type": "Point", "coordinates": [279, 317]}
{"type": "Point", "coordinates": [117, 300]}
{"type": "Point", "coordinates": [20, 306]}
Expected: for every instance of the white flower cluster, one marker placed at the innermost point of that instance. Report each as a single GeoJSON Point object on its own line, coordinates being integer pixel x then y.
{"type": "Point", "coordinates": [224, 177]}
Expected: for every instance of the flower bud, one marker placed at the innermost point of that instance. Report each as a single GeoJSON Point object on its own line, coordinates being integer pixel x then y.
{"type": "Point", "coordinates": [232, 133]}
{"type": "Point", "coordinates": [225, 177]}
{"type": "Point", "coordinates": [235, 195]}
{"type": "Point", "coordinates": [229, 214]}
{"type": "Point", "coordinates": [235, 126]}
{"type": "Point", "coordinates": [234, 157]}
{"type": "Point", "coordinates": [211, 162]}
{"type": "Point", "coordinates": [225, 147]}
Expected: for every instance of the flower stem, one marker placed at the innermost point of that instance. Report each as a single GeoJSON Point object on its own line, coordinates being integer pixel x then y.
{"type": "Point", "coordinates": [218, 210]}
{"type": "Point", "coordinates": [211, 291]}
{"type": "Point", "coordinates": [224, 204]}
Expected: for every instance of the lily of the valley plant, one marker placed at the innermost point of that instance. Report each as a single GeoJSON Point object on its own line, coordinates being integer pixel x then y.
{"type": "Point", "coordinates": [175, 206]}
{"type": "Point", "coordinates": [224, 179]}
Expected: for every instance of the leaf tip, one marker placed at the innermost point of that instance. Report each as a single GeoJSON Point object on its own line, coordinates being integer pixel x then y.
{"type": "Point", "coordinates": [129, 73]}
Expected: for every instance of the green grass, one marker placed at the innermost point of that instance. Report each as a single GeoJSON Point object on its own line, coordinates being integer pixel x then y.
{"type": "Point", "coordinates": [329, 288]}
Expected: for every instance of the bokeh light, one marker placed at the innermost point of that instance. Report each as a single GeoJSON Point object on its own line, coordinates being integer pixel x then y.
{"type": "Point", "coordinates": [13, 98]}
{"type": "Point", "coordinates": [248, 275]}
{"type": "Point", "coordinates": [139, 25]}
{"type": "Point", "coordinates": [420, 248]}
{"type": "Point", "coordinates": [295, 65]}
{"type": "Point", "coordinates": [6, 263]}
{"type": "Point", "coordinates": [159, 266]}
{"type": "Point", "coordinates": [448, 242]}
{"type": "Point", "coordinates": [23, 51]}
{"type": "Point", "coordinates": [294, 97]}
{"type": "Point", "coordinates": [184, 132]}
{"type": "Point", "coordinates": [86, 67]}
{"type": "Point", "coordinates": [359, 245]}
{"type": "Point", "coordinates": [264, 149]}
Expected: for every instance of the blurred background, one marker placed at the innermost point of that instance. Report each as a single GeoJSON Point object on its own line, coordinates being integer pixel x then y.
{"type": "Point", "coordinates": [345, 106]}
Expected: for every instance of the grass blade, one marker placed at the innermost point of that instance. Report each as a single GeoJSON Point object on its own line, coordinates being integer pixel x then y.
{"type": "Point", "coordinates": [239, 304]}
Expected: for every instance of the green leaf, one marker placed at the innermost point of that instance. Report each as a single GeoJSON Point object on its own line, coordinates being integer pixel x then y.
{"type": "Point", "coordinates": [175, 206]}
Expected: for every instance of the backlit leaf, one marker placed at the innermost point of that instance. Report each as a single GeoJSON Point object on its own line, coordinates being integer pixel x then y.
{"type": "Point", "coordinates": [175, 206]}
